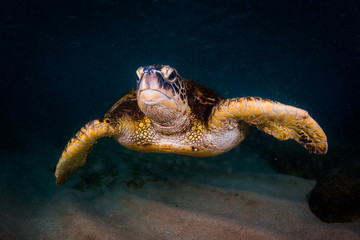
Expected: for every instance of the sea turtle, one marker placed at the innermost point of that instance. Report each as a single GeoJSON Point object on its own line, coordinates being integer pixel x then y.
{"type": "Point", "coordinates": [169, 113]}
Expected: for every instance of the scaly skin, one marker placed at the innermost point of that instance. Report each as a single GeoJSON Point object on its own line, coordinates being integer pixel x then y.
{"type": "Point", "coordinates": [78, 148]}
{"type": "Point", "coordinates": [277, 119]}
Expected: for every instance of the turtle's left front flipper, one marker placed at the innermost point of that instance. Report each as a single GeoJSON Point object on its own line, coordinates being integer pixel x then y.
{"type": "Point", "coordinates": [78, 148]}
{"type": "Point", "coordinates": [277, 119]}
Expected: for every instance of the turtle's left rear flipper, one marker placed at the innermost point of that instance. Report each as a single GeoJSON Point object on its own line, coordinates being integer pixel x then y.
{"type": "Point", "coordinates": [78, 148]}
{"type": "Point", "coordinates": [277, 119]}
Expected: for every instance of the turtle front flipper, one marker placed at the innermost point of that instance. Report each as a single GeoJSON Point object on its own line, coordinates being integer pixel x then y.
{"type": "Point", "coordinates": [277, 119]}
{"type": "Point", "coordinates": [78, 148]}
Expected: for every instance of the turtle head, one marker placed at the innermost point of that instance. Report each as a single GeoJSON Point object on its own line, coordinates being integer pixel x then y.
{"type": "Point", "coordinates": [161, 94]}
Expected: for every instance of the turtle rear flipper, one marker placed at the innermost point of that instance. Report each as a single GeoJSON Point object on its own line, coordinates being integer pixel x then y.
{"type": "Point", "coordinates": [78, 148]}
{"type": "Point", "coordinates": [277, 119]}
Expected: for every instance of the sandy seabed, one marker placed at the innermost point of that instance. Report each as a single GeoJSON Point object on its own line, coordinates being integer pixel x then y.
{"type": "Point", "coordinates": [197, 205]}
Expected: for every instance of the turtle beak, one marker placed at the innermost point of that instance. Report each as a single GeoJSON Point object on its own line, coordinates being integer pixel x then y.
{"type": "Point", "coordinates": [151, 90]}
{"type": "Point", "coordinates": [149, 81]}
{"type": "Point", "coordinates": [152, 79]}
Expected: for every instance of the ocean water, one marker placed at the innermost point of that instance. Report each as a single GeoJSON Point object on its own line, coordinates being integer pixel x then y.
{"type": "Point", "coordinates": [64, 63]}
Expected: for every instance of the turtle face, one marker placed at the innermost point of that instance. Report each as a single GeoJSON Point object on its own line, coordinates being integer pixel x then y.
{"type": "Point", "coordinates": [161, 93]}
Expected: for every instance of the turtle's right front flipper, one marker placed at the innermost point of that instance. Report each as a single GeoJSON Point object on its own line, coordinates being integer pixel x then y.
{"type": "Point", "coordinates": [277, 119]}
{"type": "Point", "coordinates": [78, 148]}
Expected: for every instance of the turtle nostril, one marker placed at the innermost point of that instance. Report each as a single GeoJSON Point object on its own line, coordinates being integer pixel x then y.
{"type": "Point", "coordinates": [149, 70]}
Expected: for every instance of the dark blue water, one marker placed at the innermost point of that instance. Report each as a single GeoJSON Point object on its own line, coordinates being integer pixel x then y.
{"type": "Point", "coordinates": [63, 63]}
{"type": "Point", "coordinates": [69, 62]}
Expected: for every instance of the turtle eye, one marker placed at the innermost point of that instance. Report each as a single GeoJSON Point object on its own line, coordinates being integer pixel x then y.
{"type": "Point", "coordinates": [139, 73]}
{"type": "Point", "coordinates": [172, 75]}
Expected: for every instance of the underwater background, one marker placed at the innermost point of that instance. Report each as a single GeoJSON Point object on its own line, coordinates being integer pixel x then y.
{"type": "Point", "coordinates": [64, 63]}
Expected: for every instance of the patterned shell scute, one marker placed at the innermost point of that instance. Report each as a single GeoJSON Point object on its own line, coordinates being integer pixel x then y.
{"type": "Point", "coordinates": [201, 99]}
{"type": "Point", "coordinates": [126, 105]}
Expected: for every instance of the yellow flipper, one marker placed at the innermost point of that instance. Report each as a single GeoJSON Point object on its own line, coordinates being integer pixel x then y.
{"type": "Point", "coordinates": [277, 119]}
{"type": "Point", "coordinates": [78, 148]}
